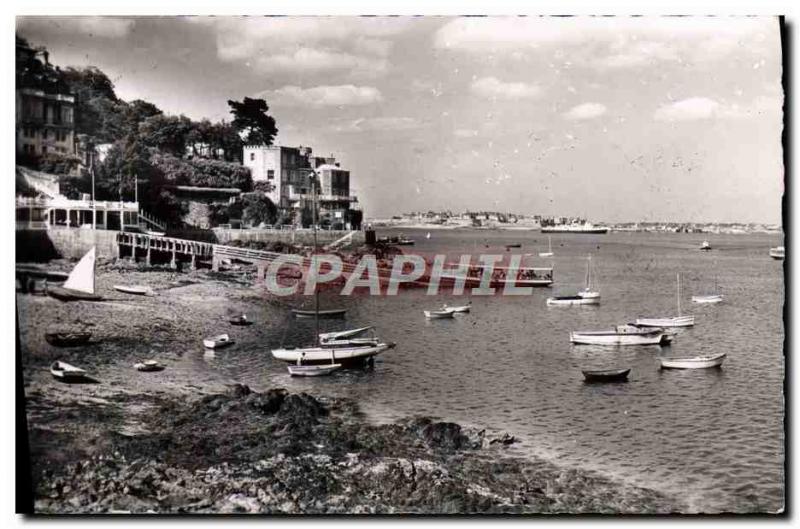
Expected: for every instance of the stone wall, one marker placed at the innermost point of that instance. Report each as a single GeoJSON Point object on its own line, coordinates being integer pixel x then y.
{"type": "Point", "coordinates": [69, 243]}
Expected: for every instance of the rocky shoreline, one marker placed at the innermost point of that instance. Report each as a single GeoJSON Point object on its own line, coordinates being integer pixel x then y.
{"type": "Point", "coordinates": [192, 440]}
{"type": "Point", "coordinates": [281, 453]}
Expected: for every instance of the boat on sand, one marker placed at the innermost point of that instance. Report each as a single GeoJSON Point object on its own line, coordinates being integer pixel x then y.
{"type": "Point", "coordinates": [67, 339]}
{"type": "Point", "coordinates": [438, 314]}
{"type": "Point", "coordinates": [148, 365]}
{"type": "Point", "coordinates": [694, 362]}
{"type": "Point", "coordinates": [136, 290]}
{"type": "Point", "coordinates": [80, 284]}
{"type": "Point", "coordinates": [240, 320]}
{"type": "Point", "coordinates": [329, 313]}
{"type": "Point", "coordinates": [67, 372]}
{"type": "Point", "coordinates": [218, 342]}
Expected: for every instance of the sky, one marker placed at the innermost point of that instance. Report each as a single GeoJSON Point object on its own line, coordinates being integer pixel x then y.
{"type": "Point", "coordinates": [609, 118]}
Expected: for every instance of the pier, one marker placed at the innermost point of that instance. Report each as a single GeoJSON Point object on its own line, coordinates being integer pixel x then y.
{"type": "Point", "coordinates": [191, 251]}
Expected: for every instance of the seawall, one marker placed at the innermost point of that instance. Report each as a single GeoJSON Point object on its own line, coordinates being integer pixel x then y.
{"type": "Point", "coordinates": [61, 242]}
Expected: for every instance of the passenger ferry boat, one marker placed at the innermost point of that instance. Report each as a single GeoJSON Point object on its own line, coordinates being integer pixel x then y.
{"type": "Point", "coordinates": [585, 227]}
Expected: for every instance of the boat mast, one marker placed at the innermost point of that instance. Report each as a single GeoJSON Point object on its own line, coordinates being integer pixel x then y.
{"type": "Point", "coordinates": [588, 276]}
{"type": "Point", "coordinates": [679, 293]}
{"type": "Point", "coordinates": [314, 221]}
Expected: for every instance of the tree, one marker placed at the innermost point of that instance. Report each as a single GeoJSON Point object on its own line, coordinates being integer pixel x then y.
{"type": "Point", "coordinates": [167, 133]}
{"type": "Point", "coordinates": [250, 116]}
{"type": "Point", "coordinates": [258, 209]}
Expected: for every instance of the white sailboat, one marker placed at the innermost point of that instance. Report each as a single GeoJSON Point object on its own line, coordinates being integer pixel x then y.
{"type": "Point", "coordinates": [709, 298]}
{"type": "Point", "coordinates": [330, 350]}
{"type": "Point", "coordinates": [587, 296]}
{"type": "Point", "coordinates": [676, 321]}
{"type": "Point", "coordinates": [80, 285]}
{"type": "Point", "coordinates": [549, 252]}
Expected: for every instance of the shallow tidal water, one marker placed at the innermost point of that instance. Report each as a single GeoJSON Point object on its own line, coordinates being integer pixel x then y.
{"type": "Point", "coordinates": [713, 438]}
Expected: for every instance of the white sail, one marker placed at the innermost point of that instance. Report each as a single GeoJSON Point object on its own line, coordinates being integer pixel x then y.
{"type": "Point", "coordinates": [82, 276]}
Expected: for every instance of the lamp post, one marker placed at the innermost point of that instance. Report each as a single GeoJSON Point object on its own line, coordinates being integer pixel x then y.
{"type": "Point", "coordinates": [94, 205]}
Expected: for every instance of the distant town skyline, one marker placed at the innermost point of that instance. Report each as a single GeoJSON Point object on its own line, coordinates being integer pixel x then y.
{"type": "Point", "coordinates": [608, 118]}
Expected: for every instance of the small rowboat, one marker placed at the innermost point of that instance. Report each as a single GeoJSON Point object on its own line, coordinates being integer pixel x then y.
{"type": "Point", "coordinates": [313, 371]}
{"type": "Point", "coordinates": [148, 365]}
{"type": "Point", "coordinates": [605, 375]}
{"type": "Point", "coordinates": [677, 321]}
{"type": "Point", "coordinates": [712, 298]}
{"type": "Point", "coordinates": [67, 372]}
{"type": "Point", "coordinates": [622, 335]}
{"type": "Point", "coordinates": [67, 339]}
{"type": "Point", "coordinates": [218, 342]}
{"type": "Point", "coordinates": [438, 314]}
{"type": "Point", "coordinates": [241, 320]}
{"type": "Point", "coordinates": [778, 253]}
{"type": "Point", "coordinates": [460, 309]}
{"type": "Point", "coordinates": [329, 313]}
{"type": "Point", "coordinates": [696, 362]}
{"type": "Point", "coordinates": [136, 290]}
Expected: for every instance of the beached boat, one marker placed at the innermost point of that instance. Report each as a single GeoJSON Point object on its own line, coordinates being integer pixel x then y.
{"type": "Point", "coordinates": [80, 284]}
{"type": "Point", "coordinates": [67, 339]}
{"type": "Point", "coordinates": [695, 362]}
{"type": "Point", "coordinates": [329, 313]}
{"type": "Point", "coordinates": [778, 252]}
{"type": "Point", "coordinates": [136, 290]}
{"type": "Point", "coordinates": [240, 320]}
{"type": "Point", "coordinates": [458, 309]}
{"type": "Point", "coordinates": [549, 252]}
{"type": "Point", "coordinates": [148, 365]}
{"type": "Point", "coordinates": [587, 296]}
{"type": "Point", "coordinates": [218, 342]}
{"type": "Point", "coordinates": [710, 298]}
{"type": "Point", "coordinates": [585, 227]}
{"type": "Point", "coordinates": [313, 371]}
{"type": "Point", "coordinates": [67, 372]}
{"type": "Point", "coordinates": [605, 375]}
{"type": "Point", "coordinates": [622, 335]}
{"type": "Point", "coordinates": [675, 321]}
{"type": "Point", "coordinates": [705, 246]}
{"type": "Point", "coordinates": [438, 314]}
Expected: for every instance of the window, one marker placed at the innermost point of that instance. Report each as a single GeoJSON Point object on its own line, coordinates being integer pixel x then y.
{"type": "Point", "coordinates": [270, 174]}
{"type": "Point", "coordinates": [252, 156]}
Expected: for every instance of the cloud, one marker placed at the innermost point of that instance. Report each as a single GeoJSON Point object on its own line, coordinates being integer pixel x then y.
{"type": "Point", "coordinates": [693, 108]}
{"type": "Point", "coordinates": [491, 87]}
{"type": "Point", "coordinates": [341, 95]}
{"type": "Point", "coordinates": [585, 111]}
{"type": "Point", "coordinates": [108, 27]}
{"type": "Point", "coordinates": [358, 45]}
{"type": "Point", "coordinates": [378, 124]}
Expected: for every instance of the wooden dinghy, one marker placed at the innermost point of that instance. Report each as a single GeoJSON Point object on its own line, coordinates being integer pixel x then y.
{"type": "Point", "coordinates": [313, 371]}
{"type": "Point", "coordinates": [136, 290]}
{"type": "Point", "coordinates": [605, 375]}
{"type": "Point", "coordinates": [240, 320]}
{"type": "Point", "coordinates": [218, 342]}
{"type": "Point", "coordinates": [67, 339]}
{"type": "Point", "coordinates": [711, 298]}
{"type": "Point", "coordinates": [438, 314]}
{"type": "Point", "coordinates": [148, 365]}
{"type": "Point", "coordinates": [329, 313]}
{"type": "Point", "coordinates": [695, 362]}
{"type": "Point", "coordinates": [80, 284]}
{"type": "Point", "coordinates": [67, 372]}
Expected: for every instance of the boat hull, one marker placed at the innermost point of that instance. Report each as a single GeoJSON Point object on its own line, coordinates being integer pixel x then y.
{"type": "Point", "coordinates": [677, 321]}
{"type": "Point", "coordinates": [605, 375]}
{"type": "Point", "coordinates": [701, 362]}
{"type": "Point", "coordinates": [610, 338]}
{"type": "Point", "coordinates": [778, 253]}
{"type": "Point", "coordinates": [557, 229]}
{"type": "Point", "coordinates": [577, 300]}
{"type": "Point", "coordinates": [66, 372]}
{"type": "Point", "coordinates": [438, 315]}
{"type": "Point", "coordinates": [217, 342]}
{"type": "Point", "coordinates": [325, 355]}
{"type": "Point", "coordinates": [707, 299]}
{"type": "Point", "coordinates": [330, 313]}
{"type": "Point", "coordinates": [313, 371]}
{"type": "Point", "coordinates": [67, 339]}
{"type": "Point", "coordinates": [136, 291]}
{"type": "Point", "coordinates": [67, 294]}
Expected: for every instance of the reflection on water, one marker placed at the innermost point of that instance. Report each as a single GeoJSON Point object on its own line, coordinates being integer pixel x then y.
{"type": "Point", "coordinates": [715, 436]}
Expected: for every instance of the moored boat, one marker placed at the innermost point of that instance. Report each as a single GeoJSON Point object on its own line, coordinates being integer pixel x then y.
{"type": "Point", "coordinates": [218, 342]}
{"type": "Point", "coordinates": [695, 362]}
{"type": "Point", "coordinates": [605, 375]}
{"type": "Point", "coordinates": [587, 296]}
{"type": "Point", "coordinates": [711, 298]}
{"type": "Point", "coordinates": [322, 354]}
{"type": "Point", "coordinates": [458, 309]}
{"type": "Point", "coordinates": [240, 320]}
{"type": "Point", "coordinates": [313, 370]}
{"type": "Point", "coordinates": [585, 227]}
{"type": "Point", "coordinates": [67, 339]}
{"type": "Point", "coordinates": [80, 284]}
{"type": "Point", "coordinates": [67, 372]}
{"type": "Point", "coordinates": [621, 335]}
{"type": "Point", "coordinates": [549, 252]}
{"type": "Point", "coordinates": [778, 252]}
{"type": "Point", "coordinates": [329, 313]}
{"type": "Point", "coordinates": [705, 246]}
{"type": "Point", "coordinates": [438, 314]}
{"type": "Point", "coordinates": [675, 321]}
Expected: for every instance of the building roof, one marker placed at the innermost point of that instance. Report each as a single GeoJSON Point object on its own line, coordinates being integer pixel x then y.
{"type": "Point", "coordinates": [200, 190]}
{"type": "Point", "coordinates": [330, 167]}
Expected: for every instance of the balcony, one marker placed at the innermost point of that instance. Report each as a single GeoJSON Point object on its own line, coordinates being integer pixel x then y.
{"type": "Point", "coordinates": [294, 196]}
